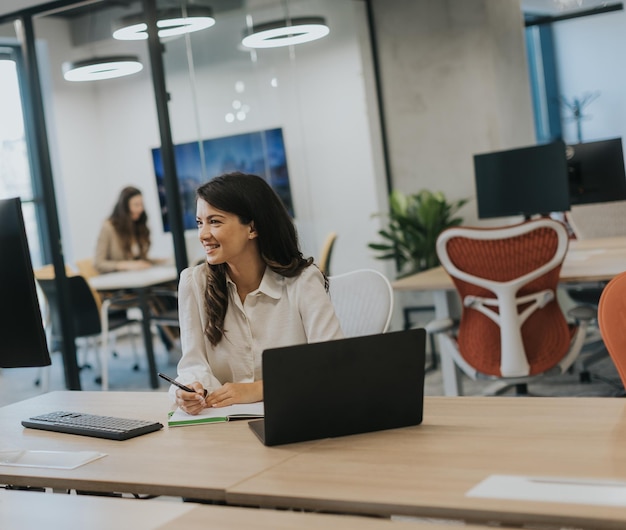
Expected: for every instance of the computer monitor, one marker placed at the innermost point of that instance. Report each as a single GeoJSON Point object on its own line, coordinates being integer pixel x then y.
{"type": "Point", "coordinates": [22, 337]}
{"type": "Point", "coordinates": [524, 181]}
{"type": "Point", "coordinates": [596, 171]}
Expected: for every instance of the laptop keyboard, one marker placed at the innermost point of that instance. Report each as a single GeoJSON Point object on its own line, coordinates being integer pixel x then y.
{"type": "Point", "coordinates": [94, 425]}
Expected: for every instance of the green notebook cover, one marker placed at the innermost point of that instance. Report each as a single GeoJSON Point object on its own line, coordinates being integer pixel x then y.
{"type": "Point", "coordinates": [178, 418]}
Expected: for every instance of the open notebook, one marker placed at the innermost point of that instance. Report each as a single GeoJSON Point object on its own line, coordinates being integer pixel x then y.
{"type": "Point", "coordinates": [178, 418]}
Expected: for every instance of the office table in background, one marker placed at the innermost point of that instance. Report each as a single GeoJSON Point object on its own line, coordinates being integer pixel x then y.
{"type": "Point", "coordinates": [140, 282]}
{"type": "Point", "coordinates": [587, 261]}
{"type": "Point", "coordinates": [421, 471]}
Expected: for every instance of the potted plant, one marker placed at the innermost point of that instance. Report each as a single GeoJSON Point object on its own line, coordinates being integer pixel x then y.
{"type": "Point", "coordinates": [415, 222]}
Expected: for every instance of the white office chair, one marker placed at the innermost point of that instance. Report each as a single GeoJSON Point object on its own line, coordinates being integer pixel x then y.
{"type": "Point", "coordinates": [363, 301]}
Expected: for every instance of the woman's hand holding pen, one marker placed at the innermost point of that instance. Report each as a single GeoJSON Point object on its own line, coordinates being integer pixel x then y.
{"type": "Point", "coordinates": [191, 402]}
{"type": "Point", "coordinates": [231, 393]}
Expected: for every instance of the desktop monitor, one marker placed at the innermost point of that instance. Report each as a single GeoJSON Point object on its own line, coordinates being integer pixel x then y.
{"type": "Point", "coordinates": [596, 171]}
{"type": "Point", "coordinates": [22, 337]}
{"type": "Point", "coordinates": [524, 181]}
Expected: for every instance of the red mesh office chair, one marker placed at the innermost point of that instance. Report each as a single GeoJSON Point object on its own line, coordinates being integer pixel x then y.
{"type": "Point", "coordinates": [612, 322]}
{"type": "Point", "coordinates": [511, 326]}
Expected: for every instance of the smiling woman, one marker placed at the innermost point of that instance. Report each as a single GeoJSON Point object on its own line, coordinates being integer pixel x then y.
{"type": "Point", "coordinates": [255, 291]}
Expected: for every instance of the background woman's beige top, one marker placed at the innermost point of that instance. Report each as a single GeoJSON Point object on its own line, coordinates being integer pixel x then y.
{"type": "Point", "coordinates": [109, 250]}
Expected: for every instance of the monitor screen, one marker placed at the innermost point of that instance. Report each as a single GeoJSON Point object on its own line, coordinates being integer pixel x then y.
{"type": "Point", "coordinates": [524, 181]}
{"type": "Point", "coordinates": [261, 153]}
{"type": "Point", "coordinates": [22, 338]}
{"type": "Point", "coordinates": [596, 171]}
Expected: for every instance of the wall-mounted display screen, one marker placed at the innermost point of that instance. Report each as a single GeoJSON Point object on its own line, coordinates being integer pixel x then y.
{"type": "Point", "coordinates": [260, 153]}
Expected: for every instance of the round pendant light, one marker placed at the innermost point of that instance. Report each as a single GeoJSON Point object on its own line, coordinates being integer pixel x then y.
{"type": "Point", "coordinates": [286, 32]}
{"type": "Point", "coordinates": [170, 22]}
{"type": "Point", "coordinates": [101, 68]}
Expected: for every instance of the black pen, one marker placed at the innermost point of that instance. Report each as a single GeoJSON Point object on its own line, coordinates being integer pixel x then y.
{"type": "Point", "coordinates": [179, 385]}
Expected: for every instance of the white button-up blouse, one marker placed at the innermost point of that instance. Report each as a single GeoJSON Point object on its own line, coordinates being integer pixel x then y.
{"type": "Point", "coordinates": [281, 312]}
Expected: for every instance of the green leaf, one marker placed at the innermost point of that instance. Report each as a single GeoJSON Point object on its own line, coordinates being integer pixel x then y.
{"type": "Point", "coordinates": [414, 223]}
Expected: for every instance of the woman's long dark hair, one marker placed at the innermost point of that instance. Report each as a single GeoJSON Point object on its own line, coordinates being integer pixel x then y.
{"type": "Point", "coordinates": [251, 199]}
{"type": "Point", "coordinates": [130, 231]}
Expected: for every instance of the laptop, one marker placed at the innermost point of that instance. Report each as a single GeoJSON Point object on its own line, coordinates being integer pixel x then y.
{"type": "Point", "coordinates": [342, 387]}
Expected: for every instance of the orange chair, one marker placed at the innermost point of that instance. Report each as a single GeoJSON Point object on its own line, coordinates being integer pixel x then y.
{"type": "Point", "coordinates": [512, 328]}
{"type": "Point", "coordinates": [612, 321]}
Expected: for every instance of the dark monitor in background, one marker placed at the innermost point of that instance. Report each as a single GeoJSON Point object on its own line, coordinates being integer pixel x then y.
{"type": "Point", "coordinates": [524, 181]}
{"type": "Point", "coordinates": [596, 171]}
{"type": "Point", "coordinates": [22, 338]}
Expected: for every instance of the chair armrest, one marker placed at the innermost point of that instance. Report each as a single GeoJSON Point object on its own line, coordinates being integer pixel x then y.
{"type": "Point", "coordinates": [440, 325]}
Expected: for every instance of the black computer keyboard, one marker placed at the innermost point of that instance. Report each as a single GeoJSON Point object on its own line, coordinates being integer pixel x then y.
{"type": "Point", "coordinates": [92, 425]}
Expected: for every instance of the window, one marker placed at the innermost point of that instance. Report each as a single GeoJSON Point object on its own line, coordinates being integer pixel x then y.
{"type": "Point", "coordinates": [543, 82]}
{"type": "Point", "coordinates": [16, 176]}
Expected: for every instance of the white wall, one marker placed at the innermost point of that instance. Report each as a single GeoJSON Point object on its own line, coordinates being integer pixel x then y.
{"type": "Point", "coordinates": [455, 83]}
{"type": "Point", "coordinates": [95, 131]}
{"type": "Point", "coordinates": [590, 52]}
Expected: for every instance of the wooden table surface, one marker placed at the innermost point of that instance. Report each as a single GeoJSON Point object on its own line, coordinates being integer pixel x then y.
{"type": "Point", "coordinates": [114, 281]}
{"type": "Point", "coordinates": [197, 462]}
{"type": "Point", "coordinates": [421, 471]}
{"type": "Point", "coordinates": [427, 470]}
{"type": "Point", "coordinates": [587, 260]}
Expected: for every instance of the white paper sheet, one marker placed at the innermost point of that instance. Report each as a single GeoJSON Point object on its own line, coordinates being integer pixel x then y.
{"type": "Point", "coordinates": [48, 459]}
{"type": "Point", "coordinates": [552, 489]}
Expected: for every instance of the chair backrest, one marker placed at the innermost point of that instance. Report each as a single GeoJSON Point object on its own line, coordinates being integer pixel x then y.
{"type": "Point", "coordinates": [363, 301]}
{"type": "Point", "coordinates": [327, 252]}
{"type": "Point", "coordinates": [85, 269]}
{"type": "Point", "coordinates": [84, 307]}
{"type": "Point", "coordinates": [612, 321]}
{"type": "Point", "coordinates": [604, 219]}
{"type": "Point", "coordinates": [511, 324]}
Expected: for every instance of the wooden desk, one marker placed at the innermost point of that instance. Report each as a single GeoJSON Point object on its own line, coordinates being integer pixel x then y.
{"type": "Point", "coordinates": [141, 282]}
{"type": "Point", "coordinates": [28, 510]}
{"type": "Point", "coordinates": [427, 470]}
{"type": "Point", "coordinates": [588, 261]}
{"type": "Point", "coordinates": [114, 281]}
{"type": "Point", "coordinates": [422, 471]}
{"type": "Point", "coordinates": [198, 462]}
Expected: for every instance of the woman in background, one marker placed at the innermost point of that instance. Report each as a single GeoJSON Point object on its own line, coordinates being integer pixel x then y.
{"type": "Point", "coordinates": [124, 239]}
{"type": "Point", "coordinates": [123, 245]}
{"type": "Point", "coordinates": [255, 291]}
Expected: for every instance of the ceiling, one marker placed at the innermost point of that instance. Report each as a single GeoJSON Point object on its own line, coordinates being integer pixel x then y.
{"type": "Point", "coordinates": [562, 7]}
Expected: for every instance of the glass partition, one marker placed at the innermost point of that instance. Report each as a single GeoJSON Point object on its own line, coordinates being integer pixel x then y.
{"type": "Point", "coordinates": [304, 116]}
{"type": "Point", "coordinates": [100, 127]}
